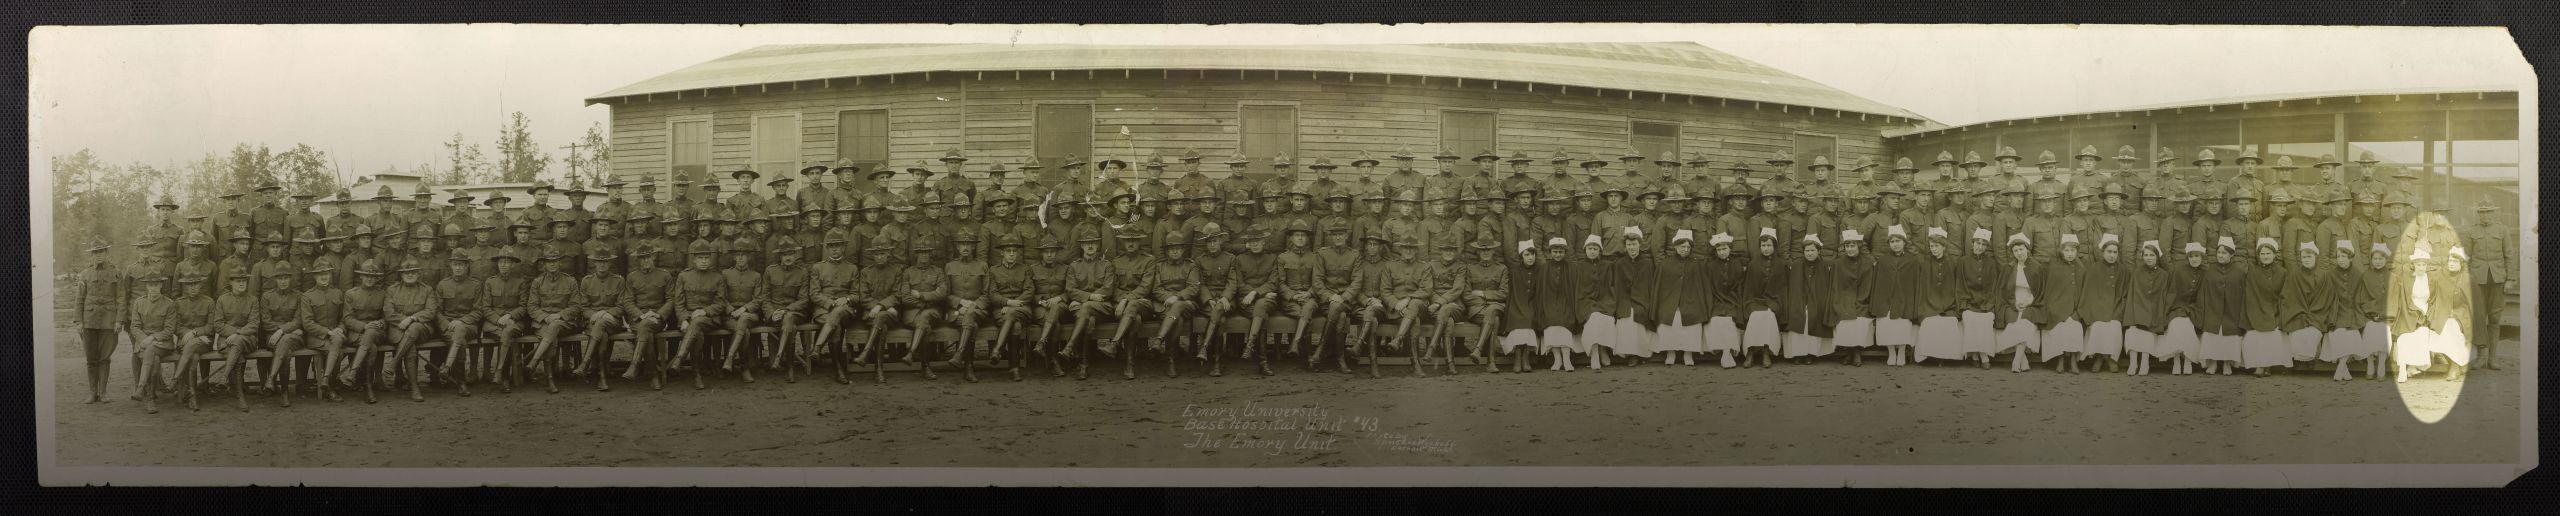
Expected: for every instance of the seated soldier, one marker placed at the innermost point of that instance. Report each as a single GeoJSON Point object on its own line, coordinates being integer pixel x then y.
{"type": "Point", "coordinates": [1087, 281]}
{"type": "Point", "coordinates": [1175, 287]}
{"type": "Point", "coordinates": [1132, 282]}
{"type": "Point", "coordinates": [785, 301]}
{"type": "Point", "coordinates": [412, 305]}
{"type": "Point", "coordinates": [967, 277]}
{"type": "Point", "coordinates": [740, 284]}
{"type": "Point", "coordinates": [879, 293]}
{"type": "Point", "coordinates": [922, 291]}
{"type": "Point", "coordinates": [650, 301]}
{"type": "Point", "coordinates": [1011, 291]}
{"type": "Point", "coordinates": [603, 299]}
{"type": "Point", "coordinates": [502, 314]}
{"type": "Point", "coordinates": [324, 325]}
{"type": "Point", "coordinates": [279, 318]}
{"type": "Point", "coordinates": [156, 324]}
{"type": "Point", "coordinates": [237, 322]}
{"type": "Point", "coordinates": [835, 295]}
{"type": "Point", "coordinates": [458, 309]}
{"type": "Point", "coordinates": [366, 321]}
{"type": "Point", "coordinates": [699, 302]}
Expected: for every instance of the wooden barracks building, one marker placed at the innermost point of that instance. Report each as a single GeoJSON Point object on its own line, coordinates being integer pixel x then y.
{"type": "Point", "coordinates": [781, 107]}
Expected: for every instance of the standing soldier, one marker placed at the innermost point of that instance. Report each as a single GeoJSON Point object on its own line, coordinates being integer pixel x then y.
{"type": "Point", "coordinates": [267, 217]}
{"type": "Point", "coordinates": [2490, 244]}
{"type": "Point", "coordinates": [105, 293]}
{"type": "Point", "coordinates": [746, 198]}
{"type": "Point", "coordinates": [298, 216]}
{"type": "Point", "coordinates": [1192, 180]}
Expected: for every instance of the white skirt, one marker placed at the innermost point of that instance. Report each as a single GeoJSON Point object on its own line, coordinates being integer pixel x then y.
{"type": "Point", "coordinates": [1598, 330]}
{"type": "Point", "coordinates": [1722, 335]}
{"type": "Point", "coordinates": [2105, 338]}
{"type": "Point", "coordinates": [2264, 349]}
{"type": "Point", "coordinates": [2137, 340]}
{"type": "Point", "coordinates": [2377, 337]}
{"type": "Point", "coordinates": [2415, 348]}
{"type": "Point", "coordinates": [1894, 332]}
{"type": "Point", "coordinates": [1796, 344]}
{"type": "Point", "coordinates": [1520, 338]}
{"type": "Point", "coordinates": [1854, 333]}
{"type": "Point", "coordinates": [1941, 337]}
{"type": "Point", "coordinates": [2220, 347]}
{"type": "Point", "coordinates": [1632, 338]}
{"type": "Point", "coordinates": [2341, 343]}
{"type": "Point", "coordinates": [2304, 343]}
{"type": "Point", "coordinates": [1556, 337]}
{"type": "Point", "coordinates": [1761, 331]}
{"type": "Point", "coordinates": [1978, 335]}
{"type": "Point", "coordinates": [2455, 347]}
{"type": "Point", "coordinates": [1680, 334]}
{"type": "Point", "coordinates": [2021, 336]}
{"type": "Point", "coordinates": [2064, 337]}
{"type": "Point", "coordinates": [2180, 341]}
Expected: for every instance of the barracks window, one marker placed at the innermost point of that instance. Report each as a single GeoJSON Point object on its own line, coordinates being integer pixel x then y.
{"type": "Point", "coordinates": [1267, 131]}
{"type": "Point", "coordinates": [863, 137]}
{"type": "Point", "coordinates": [1466, 132]}
{"type": "Point", "coordinates": [1064, 129]}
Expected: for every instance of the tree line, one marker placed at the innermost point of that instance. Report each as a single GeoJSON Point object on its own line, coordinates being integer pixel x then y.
{"type": "Point", "coordinates": [95, 198]}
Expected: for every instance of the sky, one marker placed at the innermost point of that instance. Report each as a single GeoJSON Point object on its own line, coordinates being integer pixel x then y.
{"type": "Point", "coordinates": [377, 96]}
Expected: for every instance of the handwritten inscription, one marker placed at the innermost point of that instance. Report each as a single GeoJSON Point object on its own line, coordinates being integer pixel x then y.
{"type": "Point", "coordinates": [1256, 427]}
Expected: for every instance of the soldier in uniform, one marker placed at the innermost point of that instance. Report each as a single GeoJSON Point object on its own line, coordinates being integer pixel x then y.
{"type": "Point", "coordinates": [458, 306]}
{"type": "Point", "coordinates": [835, 295]}
{"type": "Point", "coordinates": [746, 198]}
{"type": "Point", "coordinates": [1218, 280]}
{"type": "Point", "coordinates": [268, 216]}
{"type": "Point", "coordinates": [105, 293]}
{"type": "Point", "coordinates": [966, 275]}
{"type": "Point", "coordinates": [152, 320]}
{"type": "Point", "coordinates": [1337, 289]}
{"type": "Point", "coordinates": [1011, 293]}
{"type": "Point", "coordinates": [922, 290]}
{"type": "Point", "coordinates": [324, 324]}
{"type": "Point", "coordinates": [2490, 244]}
{"type": "Point", "coordinates": [279, 327]}
{"type": "Point", "coordinates": [410, 305]}
{"type": "Point", "coordinates": [1087, 282]}
{"type": "Point", "coordinates": [196, 327]}
{"type": "Point", "coordinates": [696, 294]}
{"type": "Point", "coordinates": [1444, 298]}
{"type": "Point", "coordinates": [741, 289]}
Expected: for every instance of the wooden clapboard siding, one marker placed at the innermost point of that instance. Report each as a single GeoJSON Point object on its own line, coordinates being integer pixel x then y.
{"type": "Point", "coordinates": [1339, 116]}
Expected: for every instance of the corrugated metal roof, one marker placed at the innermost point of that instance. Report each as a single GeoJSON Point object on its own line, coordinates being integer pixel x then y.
{"type": "Point", "coordinates": [1673, 68]}
{"type": "Point", "coordinates": [2223, 101]}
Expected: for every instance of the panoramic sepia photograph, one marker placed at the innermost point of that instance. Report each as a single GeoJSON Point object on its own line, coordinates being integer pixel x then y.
{"type": "Point", "coordinates": [308, 249]}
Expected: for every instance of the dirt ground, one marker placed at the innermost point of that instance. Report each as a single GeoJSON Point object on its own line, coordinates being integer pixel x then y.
{"type": "Point", "coordinates": [1651, 415]}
